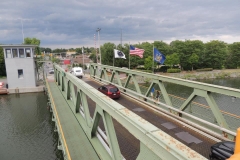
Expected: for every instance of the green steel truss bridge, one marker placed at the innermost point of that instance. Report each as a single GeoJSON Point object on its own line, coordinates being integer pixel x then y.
{"type": "Point", "coordinates": [88, 121]}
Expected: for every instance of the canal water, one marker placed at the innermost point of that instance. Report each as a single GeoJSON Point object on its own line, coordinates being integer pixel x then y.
{"type": "Point", "coordinates": [27, 131]}
{"type": "Point", "coordinates": [26, 128]}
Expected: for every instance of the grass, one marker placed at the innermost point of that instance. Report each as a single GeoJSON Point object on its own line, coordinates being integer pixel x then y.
{"type": "Point", "coordinates": [225, 73]}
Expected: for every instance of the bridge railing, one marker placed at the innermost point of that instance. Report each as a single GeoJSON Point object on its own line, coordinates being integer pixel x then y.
{"type": "Point", "coordinates": [96, 112]}
{"type": "Point", "coordinates": [198, 107]}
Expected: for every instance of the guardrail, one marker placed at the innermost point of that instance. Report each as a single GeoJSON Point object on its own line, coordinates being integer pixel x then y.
{"type": "Point", "coordinates": [217, 122]}
{"type": "Point", "coordinates": [154, 143]}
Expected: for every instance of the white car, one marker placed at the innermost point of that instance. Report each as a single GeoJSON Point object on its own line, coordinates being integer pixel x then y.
{"type": "Point", "coordinates": [77, 71]}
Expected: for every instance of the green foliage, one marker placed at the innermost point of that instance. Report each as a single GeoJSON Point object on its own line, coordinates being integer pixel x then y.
{"type": "Point", "coordinates": [163, 47]}
{"type": "Point", "coordinates": [172, 59]}
{"type": "Point", "coordinates": [107, 53]}
{"type": "Point", "coordinates": [33, 41]}
{"type": "Point", "coordinates": [57, 50]}
{"type": "Point", "coordinates": [119, 62]}
{"type": "Point", "coordinates": [171, 70]}
{"type": "Point", "coordinates": [193, 59]}
{"type": "Point", "coordinates": [2, 63]}
{"type": "Point", "coordinates": [55, 60]}
{"type": "Point", "coordinates": [46, 50]}
{"type": "Point", "coordinates": [78, 50]}
{"type": "Point", "coordinates": [233, 56]}
{"type": "Point", "coordinates": [162, 69]}
{"type": "Point", "coordinates": [215, 54]}
{"type": "Point", "coordinates": [93, 57]}
{"type": "Point", "coordinates": [148, 62]}
{"type": "Point", "coordinates": [185, 49]}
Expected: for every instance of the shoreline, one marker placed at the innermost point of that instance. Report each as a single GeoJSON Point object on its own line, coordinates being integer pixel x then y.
{"type": "Point", "coordinates": [193, 75]}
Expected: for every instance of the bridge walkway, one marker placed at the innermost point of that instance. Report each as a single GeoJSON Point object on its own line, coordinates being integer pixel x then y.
{"type": "Point", "coordinates": [76, 142]}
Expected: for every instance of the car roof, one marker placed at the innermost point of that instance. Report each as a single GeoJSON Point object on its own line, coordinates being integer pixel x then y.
{"type": "Point", "coordinates": [109, 86]}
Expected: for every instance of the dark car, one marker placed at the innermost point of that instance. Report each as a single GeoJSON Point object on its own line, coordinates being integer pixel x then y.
{"type": "Point", "coordinates": [222, 150]}
{"type": "Point", "coordinates": [51, 71]}
{"type": "Point", "coordinates": [110, 90]}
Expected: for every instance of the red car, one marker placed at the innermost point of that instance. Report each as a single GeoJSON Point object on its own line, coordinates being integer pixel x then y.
{"type": "Point", "coordinates": [1, 84]}
{"type": "Point", "coordinates": [110, 90]}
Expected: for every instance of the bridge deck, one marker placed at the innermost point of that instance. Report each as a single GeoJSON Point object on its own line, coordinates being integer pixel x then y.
{"type": "Point", "coordinates": [182, 133]}
{"type": "Point", "coordinates": [77, 143]}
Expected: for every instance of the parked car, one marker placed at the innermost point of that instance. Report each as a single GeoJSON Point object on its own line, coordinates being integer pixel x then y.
{"type": "Point", "coordinates": [110, 90]}
{"type": "Point", "coordinates": [222, 150]}
{"type": "Point", "coordinates": [51, 71]}
{"type": "Point", "coordinates": [1, 84]}
{"type": "Point", "coordinates": [77, 71]}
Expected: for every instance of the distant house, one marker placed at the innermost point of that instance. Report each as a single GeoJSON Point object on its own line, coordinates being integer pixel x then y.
{"type": "Point", "coordinates": [60, 55]}
{"type": "Point", "coordinates": [20, 67]}
{"type": "Point", "coordinates": [80, 59]}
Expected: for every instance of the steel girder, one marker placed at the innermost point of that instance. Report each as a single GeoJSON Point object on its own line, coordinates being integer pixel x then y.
{"type": "Point", "coordinates": [199, 89]}
{"type": "Point", "coordinates": [155, 144]}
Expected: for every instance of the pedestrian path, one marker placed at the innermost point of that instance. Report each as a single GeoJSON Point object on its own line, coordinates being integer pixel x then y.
{"type": "Point", "coordinates": [74, 139]}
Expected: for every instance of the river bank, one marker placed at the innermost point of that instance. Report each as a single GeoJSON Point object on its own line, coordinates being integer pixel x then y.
{"type": "Point", "coordinates": [193, 75]}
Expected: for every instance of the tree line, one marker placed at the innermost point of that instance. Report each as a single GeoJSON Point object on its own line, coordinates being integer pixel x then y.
{"type": "Point", "coordinates": [189, 54]}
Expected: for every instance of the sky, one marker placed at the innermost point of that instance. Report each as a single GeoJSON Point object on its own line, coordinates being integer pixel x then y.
{"type": "Point", "coordinates": [74, 23]}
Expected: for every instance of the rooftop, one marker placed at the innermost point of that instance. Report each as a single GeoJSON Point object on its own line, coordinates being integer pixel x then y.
{"type": "Point", "coordinates": [17, 45]}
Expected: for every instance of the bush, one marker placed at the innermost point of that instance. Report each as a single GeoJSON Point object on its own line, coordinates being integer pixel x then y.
{"type": "Point", "coordinates": [204, 69]}
{"type": "Point", "coordinates": [162, 69]}
{"type": "Point", "coordinates": [140, 68]}
{"type": "Point", "coordinates": [173, 70]}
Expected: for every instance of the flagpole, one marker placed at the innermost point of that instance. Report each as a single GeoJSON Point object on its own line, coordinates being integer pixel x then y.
{"type": "Point", "coordinates": [129, 57]}
{"type": "Point", "coordinates": [114, 56]}
{"type": "Point", "coordinates": [153, 60]}
{"type": "Point", "coordinates": [82, 58]}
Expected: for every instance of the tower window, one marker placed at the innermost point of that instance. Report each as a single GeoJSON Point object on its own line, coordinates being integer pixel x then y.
{"type": "Point", "coordinates": [20, 73]}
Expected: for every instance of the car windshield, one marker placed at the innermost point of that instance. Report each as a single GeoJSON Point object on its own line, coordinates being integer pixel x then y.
{"type": "Point", "coordinates": [113, 90]}
{"type": "Point", "coordinates": [78, 70]}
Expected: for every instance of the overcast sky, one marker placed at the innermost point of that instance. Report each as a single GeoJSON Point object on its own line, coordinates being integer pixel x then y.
{"type": "Point", "coordinates": [73, 23]}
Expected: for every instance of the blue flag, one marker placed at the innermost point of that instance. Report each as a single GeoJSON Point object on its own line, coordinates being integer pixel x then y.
{"type": "Point", "coordinates": [158, 56]}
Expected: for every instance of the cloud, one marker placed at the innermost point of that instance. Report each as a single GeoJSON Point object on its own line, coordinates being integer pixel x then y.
{"type": "Point", "coordinates": [74, 23]}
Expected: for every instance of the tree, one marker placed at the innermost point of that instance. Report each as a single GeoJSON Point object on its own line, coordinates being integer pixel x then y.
{"type": "Point", "coordinates": [233, 56]}
{"type": "Point", "coordinates": [193, 59]}
{"type": "Point", "coordinates": [46, 50]}
{"type": "Point", "coordinates": [2, 63]}
{"type": "Point", "coordinates": [185, 49]}
{"type": "Point", "coordinates": [55, 60]}
{"type": "Point", "coordinates": [93, 57]}
{"type": "Point", "coordinates": [148, 62]}
{"type": "Point", "coordinates": [215, 54]}
{"type": "Point", "coordinates": [79, 50]}
{"type": "Point", "coordinates": [33, 41]}
{"type": "Point", "coordinates": [172, 59]}
{"type": "Point", "coordinates": [107, 53]}
{"type": "Point", "coordinates": [162, 47]}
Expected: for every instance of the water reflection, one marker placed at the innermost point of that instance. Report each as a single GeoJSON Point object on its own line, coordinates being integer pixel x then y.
{"type": "Point", "coordinates": [27, 131]}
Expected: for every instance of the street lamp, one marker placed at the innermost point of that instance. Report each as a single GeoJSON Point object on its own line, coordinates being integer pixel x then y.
{"type": "Point", "coordinates": [98, 30]}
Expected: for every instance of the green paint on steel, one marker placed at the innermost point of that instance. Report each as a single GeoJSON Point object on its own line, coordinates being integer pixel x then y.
{"type": "Point", "coordinates": [159, 80]}
{"type": "Point", "coordinates": [153, 141]}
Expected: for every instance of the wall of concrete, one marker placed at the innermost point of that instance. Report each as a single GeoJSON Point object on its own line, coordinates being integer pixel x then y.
{"type": "Point", "coordinates": [29, 72]}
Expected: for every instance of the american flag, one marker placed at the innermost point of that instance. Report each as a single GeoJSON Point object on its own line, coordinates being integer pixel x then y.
{"type": "Point", "coordinates": [136, 51]}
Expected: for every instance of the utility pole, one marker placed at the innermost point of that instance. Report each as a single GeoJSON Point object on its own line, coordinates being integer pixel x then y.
{"type": "Point", "coordinates": [98, 30]}
{"type": "Point", "coordinates": [22, 31]}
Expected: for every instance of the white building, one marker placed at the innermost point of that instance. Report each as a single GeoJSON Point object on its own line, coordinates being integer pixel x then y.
{"type": "Point", "coordinates": [20, 67]}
